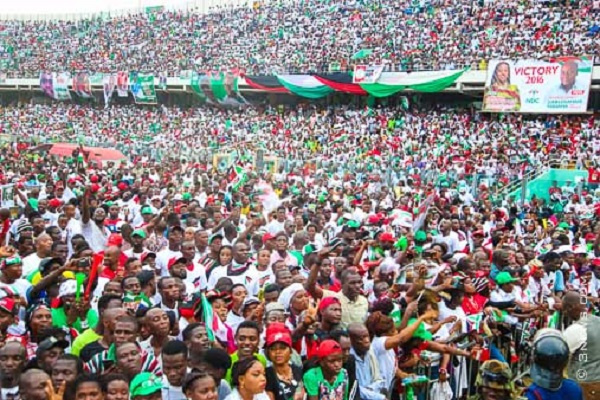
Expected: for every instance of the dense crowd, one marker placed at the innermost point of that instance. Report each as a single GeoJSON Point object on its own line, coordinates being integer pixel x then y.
{"type": "Point", "coordinates": [302, 36]}
{"type": "Point", "coordinates": [436, 141]}
{"type": "Point", "coordinates": [172, 279]}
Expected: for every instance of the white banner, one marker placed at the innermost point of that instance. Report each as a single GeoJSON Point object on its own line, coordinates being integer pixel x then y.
{"type": "Point", "coordinates": [533, 86]}
{"type": "Point", "coordinates": [366, 73]}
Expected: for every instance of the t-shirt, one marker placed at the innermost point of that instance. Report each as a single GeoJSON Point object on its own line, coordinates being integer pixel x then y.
{"type": "Point", "coordinates": [281, 389]}
{"type": "Point", "coordinates": [568, 390]}
{"type": "Point", "coordinates": [90, 350]}
{"type": "Point", "coordinates": [386, 359]}
{"type": "Point", "coordinates": [316, 385]}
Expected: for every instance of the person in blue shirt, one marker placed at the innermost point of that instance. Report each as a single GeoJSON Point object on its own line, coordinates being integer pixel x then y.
{"type": "Point", "coordinates": [550, 358]}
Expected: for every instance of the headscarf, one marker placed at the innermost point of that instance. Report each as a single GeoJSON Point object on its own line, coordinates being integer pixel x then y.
{"type": "Point", "coordinates": [287, 294]}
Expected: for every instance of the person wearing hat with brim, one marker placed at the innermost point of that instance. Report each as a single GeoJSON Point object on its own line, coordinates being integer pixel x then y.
{"type": "Point", "coordinates": [145, 386]}
{"type": "Point", "coordinates": [137, 249]}
{"type": "Point", "coordinates": [494, 381]}
{"type": "Point", "coordinates": [11, 270]}
{"type": "Point", "coordinates": [283, 377]}
{"type": "Point", "coordinates": [329, 376]}
{"type": "Point", "coordinates": [47, 353]}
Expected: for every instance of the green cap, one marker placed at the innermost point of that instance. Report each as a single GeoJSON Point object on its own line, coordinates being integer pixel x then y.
{"type": "Point", "coordinates": [353, 224]}
{"type": "Point", "coordinates": [33, 203]}
{"type": "Point", "coordinates": [564, 225]}
{"type": "Point", "coordinates": [146, 210]}
{"type": "Point", "coordinates": [139, 232]}
{"type": "Point", "coordinates": [420, 235]}
{"type": "Point", "coordinates": [186, 196]}
{"type": "Point", "coordinates": [504, 277]}
{"type": "Point", "coordinates": [145, 384]}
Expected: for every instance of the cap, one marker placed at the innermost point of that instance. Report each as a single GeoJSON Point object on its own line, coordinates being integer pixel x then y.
{"type": "Point", "coordinates": [580, 250]}
{"type": "Point", "coordinates": [495, 374]}
{"type": "Point", "coordinates": [7, 304]}
{"type": "Point", "coordinates": [49, 343]}
{"type": "Point", "coordinates": [115, 239]}
{"type": "Point", "coordinates": [176, 228]}
{"type": "Point", "coordinates": [274, 306]}
{"type": "Point", "coordinates": [504, 277]}
{"type": "Point", "coordinates": [328, 301]}
{"type": "Point", "coordinates": [329, 347]}
{"type": "Point", "coordinates": [146, 210]}
{"type": "Point", "coordinates": [177, 260]}
{"type": "Point", "coordinates": [249, 301]}
{"type": "Point", "coordinates": [387, 237]}
{"type": "Point", "coordinates": [144, 384]}
{"type": "Point", "coordinates": [420, 235]}
{"type": "Point", "coordinates": [54, 202]}
{"type": "Point", "coordinates": [186, 196]}
{"type": "Point", "coordinates": [67, 288]}
{"type": "Point", "coordinates": [479, 233]}
{"type": "Point", "coordinates": [139, 232]}
{"type": "Point", "coordinates": [47, 262]}
{"type": "Point", "coordinates": [590, 237]}
{"type": "Point", "coordinates": [155, 197]}
{"type": "Point", "coordinates": [267, 236]}
{"type": "Point", "coordinates": [277, 332]}
{"type": "Point", "coordinates": [213, 237]}
{"type": "Point", "coordinates": [178, 197]}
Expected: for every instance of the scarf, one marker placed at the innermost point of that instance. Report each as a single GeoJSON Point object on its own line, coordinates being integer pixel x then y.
{"type": "Point", "coordinates": [235, 269]}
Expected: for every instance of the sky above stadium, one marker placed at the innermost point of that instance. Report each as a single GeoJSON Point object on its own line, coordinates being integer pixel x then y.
{"type": "Point", "coordinates": [37, 7]}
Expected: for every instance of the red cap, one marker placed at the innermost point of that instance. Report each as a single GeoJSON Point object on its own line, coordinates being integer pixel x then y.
{"type": "Point", "coordinates": [278, 332]}
{"type": "Point", "coordinates": [175, 260]}
{"type": "Point", "coordinates": [115, 239]}
{"type": "Point", "coordinates": [374, 219]}
{"type": "Point", "coordinates": [589, 237]}
{"type": "Point", "coordinates": [7, 304]}
{"type": "Point", "coordinates": [387, 237]}
{"type": "Point", "coordinates": [94, 187]}
{"type": "Point", "coordinates": [329, 347]}
{"type": "Point", "coordinates": [267, 236]}
{"type": "Point", "coordinates": [55, 203]}
{"type": "Point", "coordinates": [328, 301]}
{"type": "Point", "coordinates": [122, 186]}
{"type": "Point", "coordinates": [596, 262]}
{"type": "Point", "coordinates": [94, 178]}
{"type": "Point", "coordinates": [478, 233]}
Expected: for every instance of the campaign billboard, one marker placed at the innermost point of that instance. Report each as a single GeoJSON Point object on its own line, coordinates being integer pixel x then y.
{"type": "Point", "coordinates": [561, 85]}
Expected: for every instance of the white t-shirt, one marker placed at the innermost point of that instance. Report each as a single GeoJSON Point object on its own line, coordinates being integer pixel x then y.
{"type": "Point", "coordinates": [386, 358]}
{"type": "Point", "coordinates": [162, 260]}
{"type": "Point", "coordinates": [30, 264]}
{"type": "Point", "coordinates": [95, 236]}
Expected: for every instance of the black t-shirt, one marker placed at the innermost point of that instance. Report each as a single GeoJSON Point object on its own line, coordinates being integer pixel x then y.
{"type": "Point", "coordinates": [283, 390]}
{"type": "Point", "coordinates": [90, 350]}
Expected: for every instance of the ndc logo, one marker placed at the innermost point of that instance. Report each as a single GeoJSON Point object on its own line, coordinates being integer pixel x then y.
{"type": "Point", "coordinates": [533, 97]}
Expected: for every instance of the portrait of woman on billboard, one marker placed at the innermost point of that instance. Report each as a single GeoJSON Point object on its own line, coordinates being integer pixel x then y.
{"type": "Point", "coordinates": [501, 95]}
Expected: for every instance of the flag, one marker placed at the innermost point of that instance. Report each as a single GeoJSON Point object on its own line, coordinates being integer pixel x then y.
{"type": "Point", "coordinates": [237, 177]}
{"type": "Point", "coordinates": [362, 54]}
{"type": "Point", "coordinates": [82, 85]}
{"type": "Point", "coordinates": [109, 83]}
{"type": "Point", "coordinates": [142, 88]}
{"type": "Point", "coordinates": [209, 318]}
{"type": "Point", "coordinates": [122, 84]}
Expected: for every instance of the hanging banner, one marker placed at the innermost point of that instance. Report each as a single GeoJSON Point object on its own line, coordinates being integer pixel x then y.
{"type": "Point", "coordinates": [109, 83]}
{"type": "Point", "coordinates": [142, 88]}
{"type": "Point", "coordinates": [122, 84]}
{"type": "Point", "coordinates": [367, 73]}
{"type": "Point", "coordinates": [82, 85]}
{"type": "Point", "coordinates": [55, 85]}
{"type": "Point", "coordinates": [196, 85]}
{"type": "Point", "coordinates": [533, 86]}
{"type": "Point", "coordinates": [224, 86]}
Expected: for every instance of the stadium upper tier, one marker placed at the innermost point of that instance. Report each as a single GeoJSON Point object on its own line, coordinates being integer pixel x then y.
{"type": "Point", "coordinates": [302, 36]}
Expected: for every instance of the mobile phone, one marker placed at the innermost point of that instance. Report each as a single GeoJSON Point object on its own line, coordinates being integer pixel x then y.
{"type": "Point", "coordinates": [83, 262]}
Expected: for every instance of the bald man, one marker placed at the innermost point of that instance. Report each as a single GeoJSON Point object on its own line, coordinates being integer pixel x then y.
{"type": "Point", "coordinates": [109, 319]}
{"type": "Point", "coordinates": [569, 86]}
{"type": "Point", "coordinates": [32, 384]}
{"type": "Point", "coordinates": [12, 361]}
{"type": "Point", "coordinates": [112, 256]}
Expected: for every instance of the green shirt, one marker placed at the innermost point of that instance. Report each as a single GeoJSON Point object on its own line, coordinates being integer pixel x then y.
{"type": "Point", "coordinates": [421, 331]}
{"type": "Point", "coordinates": [316, 384]}
{"type": "Point", "coordinates": [59, 319]}
{"type": "Point", "coordinates": [235, 358]}
{"type": "Point", "coordinates": [88, 336]}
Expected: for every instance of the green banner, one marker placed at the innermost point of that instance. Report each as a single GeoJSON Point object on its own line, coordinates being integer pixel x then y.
{"type": "Point", "coordinates": [425, 84]}
{"type": "Point", "coordinates": [142, 88]}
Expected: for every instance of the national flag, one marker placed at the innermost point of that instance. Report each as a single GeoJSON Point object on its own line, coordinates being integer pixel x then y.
{"type": "Point", "coordinates": [362, 54]}
{"type": "Point", "coordinates": [237, 177]}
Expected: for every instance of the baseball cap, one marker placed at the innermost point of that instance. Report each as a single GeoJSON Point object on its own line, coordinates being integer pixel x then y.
{"type": "Point", "coordinates": [139, 232]}
{"type": "Point", "coordinates": [49, 343]}
{"type": "Point", "coordinates": [146, 210]}
{"type": "Point", "coordinates": [215, 236]}
{"type": "Point", "coordinates": [144, 384]}
{"type": "Point", "coordinates": [504, 277]}
{"type": "Point", "coordinates": [329, 347]}
{"type": "Point", "coordinates": [186, 196]}
{"type": "Point", "coordinates": [7, 304]}
{"type": "Point", "coordinates": [249, 301]}
{"type": "Point", "coordinates": [274, 306]}
{"type": "Point", "coordinates": [590, 237]}
{"type": "Point", "coordinates": [267, 236]}
{"type": "Point", "coordinates": [277, 332]}
{"type": "Point", "coordinates": [328, 301]}
{"type": "Point", "coordinates": [387, 237]}
{"type": "Point", "coordinates": [47, 262]}
{"type": "Point", "coordinates": [420, 235]}
{"type": "Point", "coordinates": [115, 239]}
{"type": "Point", "coordinates": [175, 260]}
